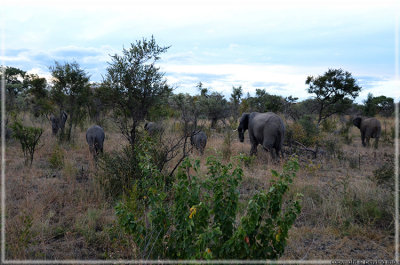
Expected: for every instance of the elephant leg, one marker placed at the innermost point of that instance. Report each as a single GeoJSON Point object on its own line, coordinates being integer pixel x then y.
{"type": "Point", "coordinates": [268, 148]}
{"type": "Point", "coordinates": [91, 149]}
{"type": "Point", "coordinates": [253, 150]}
{"type": "Point", "coordinates": [363, 138]}
{"type": "Point", "coordinates": [367, 140]}
{"type": "Point", "coordinates": [273, 154]}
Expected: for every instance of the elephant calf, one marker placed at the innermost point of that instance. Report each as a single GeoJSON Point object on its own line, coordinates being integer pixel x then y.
{"type": "Point", "coordinates": [370, 128]}
{"type": "Point", "coordinates": [153, 128]}
{"type": "Point", "coordinates": [266, 129]}
{"type": "Point", "coordinates": [58, 123]}
{"type": "Point", "coordinates": [95, 139]}
{"type": "Point", "coordinates": [199, 140]}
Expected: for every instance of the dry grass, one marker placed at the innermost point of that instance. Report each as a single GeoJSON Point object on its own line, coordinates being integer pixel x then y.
{"type": "Point", "coordinates": [61, 212]}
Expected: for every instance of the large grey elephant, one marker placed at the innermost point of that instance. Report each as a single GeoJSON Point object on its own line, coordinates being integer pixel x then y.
{"type": "Point", "coordinates": [58, 122]}
{"type": "Point", "coordinates": [199, 140]}
{"type": "Point", "coordinates": [95, 139]}
{"type": "Point", "coordinates": [153, 127]}
{"type": "Point", "coordinates": [266, 129]}
{"type": "Point", "coordinates": [369, 128]}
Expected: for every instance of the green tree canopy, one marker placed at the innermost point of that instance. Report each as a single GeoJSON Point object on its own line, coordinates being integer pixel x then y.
{"type": "Point", "coordinates": [236, 97]}
{"type": "Point", "coordinates": [382, 105]}
{"type": "Point", "coordinates": [135, 84]}
{"type": "Point", "coordinates": [14, 78]}
{"type": "Point", "coordinates": [214, 106]}
{"type": "Point", "coordinates": [70, 92]}
{"type": "Point", "coordinates": [264, 102]}
{"type": "Point", "coordinates": [38, 94]}
{"type": "Point", "coordinates": [334, 92]}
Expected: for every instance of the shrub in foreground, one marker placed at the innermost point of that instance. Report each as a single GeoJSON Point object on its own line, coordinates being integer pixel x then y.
{"type": "Point", "coordinates": [28, 137]}
{"type": "Point", "coordinates": [197, 217]}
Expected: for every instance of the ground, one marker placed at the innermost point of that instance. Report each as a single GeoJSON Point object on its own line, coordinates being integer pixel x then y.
{"type": "Point", "coordinates": [56, 209]}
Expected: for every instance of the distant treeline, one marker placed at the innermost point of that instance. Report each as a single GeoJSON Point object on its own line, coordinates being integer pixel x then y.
{"type": "Point", "coordinates": [134, 89]}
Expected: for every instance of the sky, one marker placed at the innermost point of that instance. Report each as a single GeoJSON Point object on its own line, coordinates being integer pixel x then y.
{"type": "Point", "coordinates": [271, 45]}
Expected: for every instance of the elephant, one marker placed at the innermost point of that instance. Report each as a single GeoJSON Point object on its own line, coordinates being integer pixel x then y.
{"type": "Point", "coordinates": [266, 129]}
{"type": "Point", "coordinates": [152, 128]}
{"type": "Point", "coordinates": [370, 128]}
{"type": "Point", "coordinates": [199, 140]}
{"type": "Point", "coordinates": [95, 139]}
{"type": "Point", "coordinates": [58, 123]}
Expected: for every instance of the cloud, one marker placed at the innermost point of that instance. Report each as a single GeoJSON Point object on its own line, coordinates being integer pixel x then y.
{"type": "Point", "coordinates": [268, 85]}
{"type": "Point", "coordinates": [281, 80]}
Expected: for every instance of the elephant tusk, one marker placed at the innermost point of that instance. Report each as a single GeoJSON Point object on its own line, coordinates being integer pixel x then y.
{"type": "Point", "coordinates": [235, 130]}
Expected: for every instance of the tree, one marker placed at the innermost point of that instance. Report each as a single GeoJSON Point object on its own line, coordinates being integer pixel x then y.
{"type": "Point", "coordinates": [334, 92]}
{"type": "Point", "coordinates": [236, 97]}
{"type": "Point", "coordinates": [288, 107]}
{"type": "Point", "coordinates": [214, 106]}
{"type": "Point", "coordinates": [203, 90]}
{"type": "Point", "coordinates": [385, 105]}
{"type": "Point", "coordinates": [264, 102]}
{"type": "Point", "coordinates": [369, 106]}
{"type": "Point", "coordinates": [135, 85]}
{"type": "Point", "coordinates": [382, 105]}
{"type": "Point", "coordinates": [188, 109]}
{"type": "Point", "coordinates": [13, 78]}
{"type": "Point", "coordinates": [38, 94]}
{"type": "Point", "coordinates": [70, 92]}
{"type": "Point", "coordinates": [28, 137]}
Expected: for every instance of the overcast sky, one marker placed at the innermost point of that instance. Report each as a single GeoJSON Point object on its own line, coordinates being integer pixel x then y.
{"type": "Point", "coordinates": [273, 45]}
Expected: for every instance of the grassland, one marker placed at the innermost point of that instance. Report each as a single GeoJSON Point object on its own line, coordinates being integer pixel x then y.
{"type": "Point", "coordinates": [57, 210]}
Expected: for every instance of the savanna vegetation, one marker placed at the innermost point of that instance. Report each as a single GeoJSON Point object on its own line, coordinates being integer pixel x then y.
{"type": "Point", "coordinates": [152, 195]}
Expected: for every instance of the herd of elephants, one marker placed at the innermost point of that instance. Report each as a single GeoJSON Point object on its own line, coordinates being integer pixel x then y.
{"type": "Point", "coordinates": [266, 129]}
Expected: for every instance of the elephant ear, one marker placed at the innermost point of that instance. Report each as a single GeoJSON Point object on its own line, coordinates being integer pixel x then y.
{"type": "Point", "coordinates": [244, 121]}
{"type": "Point", "coordinates": [357, 122]}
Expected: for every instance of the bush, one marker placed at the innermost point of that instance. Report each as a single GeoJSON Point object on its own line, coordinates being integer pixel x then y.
{"type": "Point", "coordinates": [247, 160]}
{"type": "Point", "coordinates": [56, 159]}
{"type": "Point", "coordinates": [311, 130]}
{"type": "Point", "coordinates": [384, 175]}
{"type": "Point", "coordinates": [202, 222]}
{"type": "Point", "coordinates": [226, 146]}
{"type": "Point", "coordinates": [332, 145]}
{"type": "Point", "coordinates": [328, 125]}
{"type": "Point", "coordinates": [344, 132]}
{"type": "Point", "coordinates": [295, 132]}
{"type": "Point", "coordinates": [28, 137]}
{"type": "Point", "coordinates": [122, 170]}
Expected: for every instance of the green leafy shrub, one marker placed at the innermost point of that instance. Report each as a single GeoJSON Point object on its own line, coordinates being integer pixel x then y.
{"type": "Point", "coordinates": [202, 222]}
{"type": "Point", "coordinates": [122, 170]}
{"type": "Point", "coordinates": [295, 132]}
{"type": "Point", "coordinates": [331, 145]}
{"type": "Point", "coordinates": [226, 145]}
{"type": "Point", "coordinates": [56, 159]}
{"type": "Point", "coordinates": [345, 132]}
{"type": "Point", "coordinates": [384, 175]}
{"type": "Point", "coordinates": [304, 131]}
{"type": "Point", "coordinates": [328, 125]}
{"type": "Point", "coordinates": [311, 130]}
{"type": "Point", "coordinates": [246, 160]}
{"type": "Point", "coordinates": [28, 137]}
